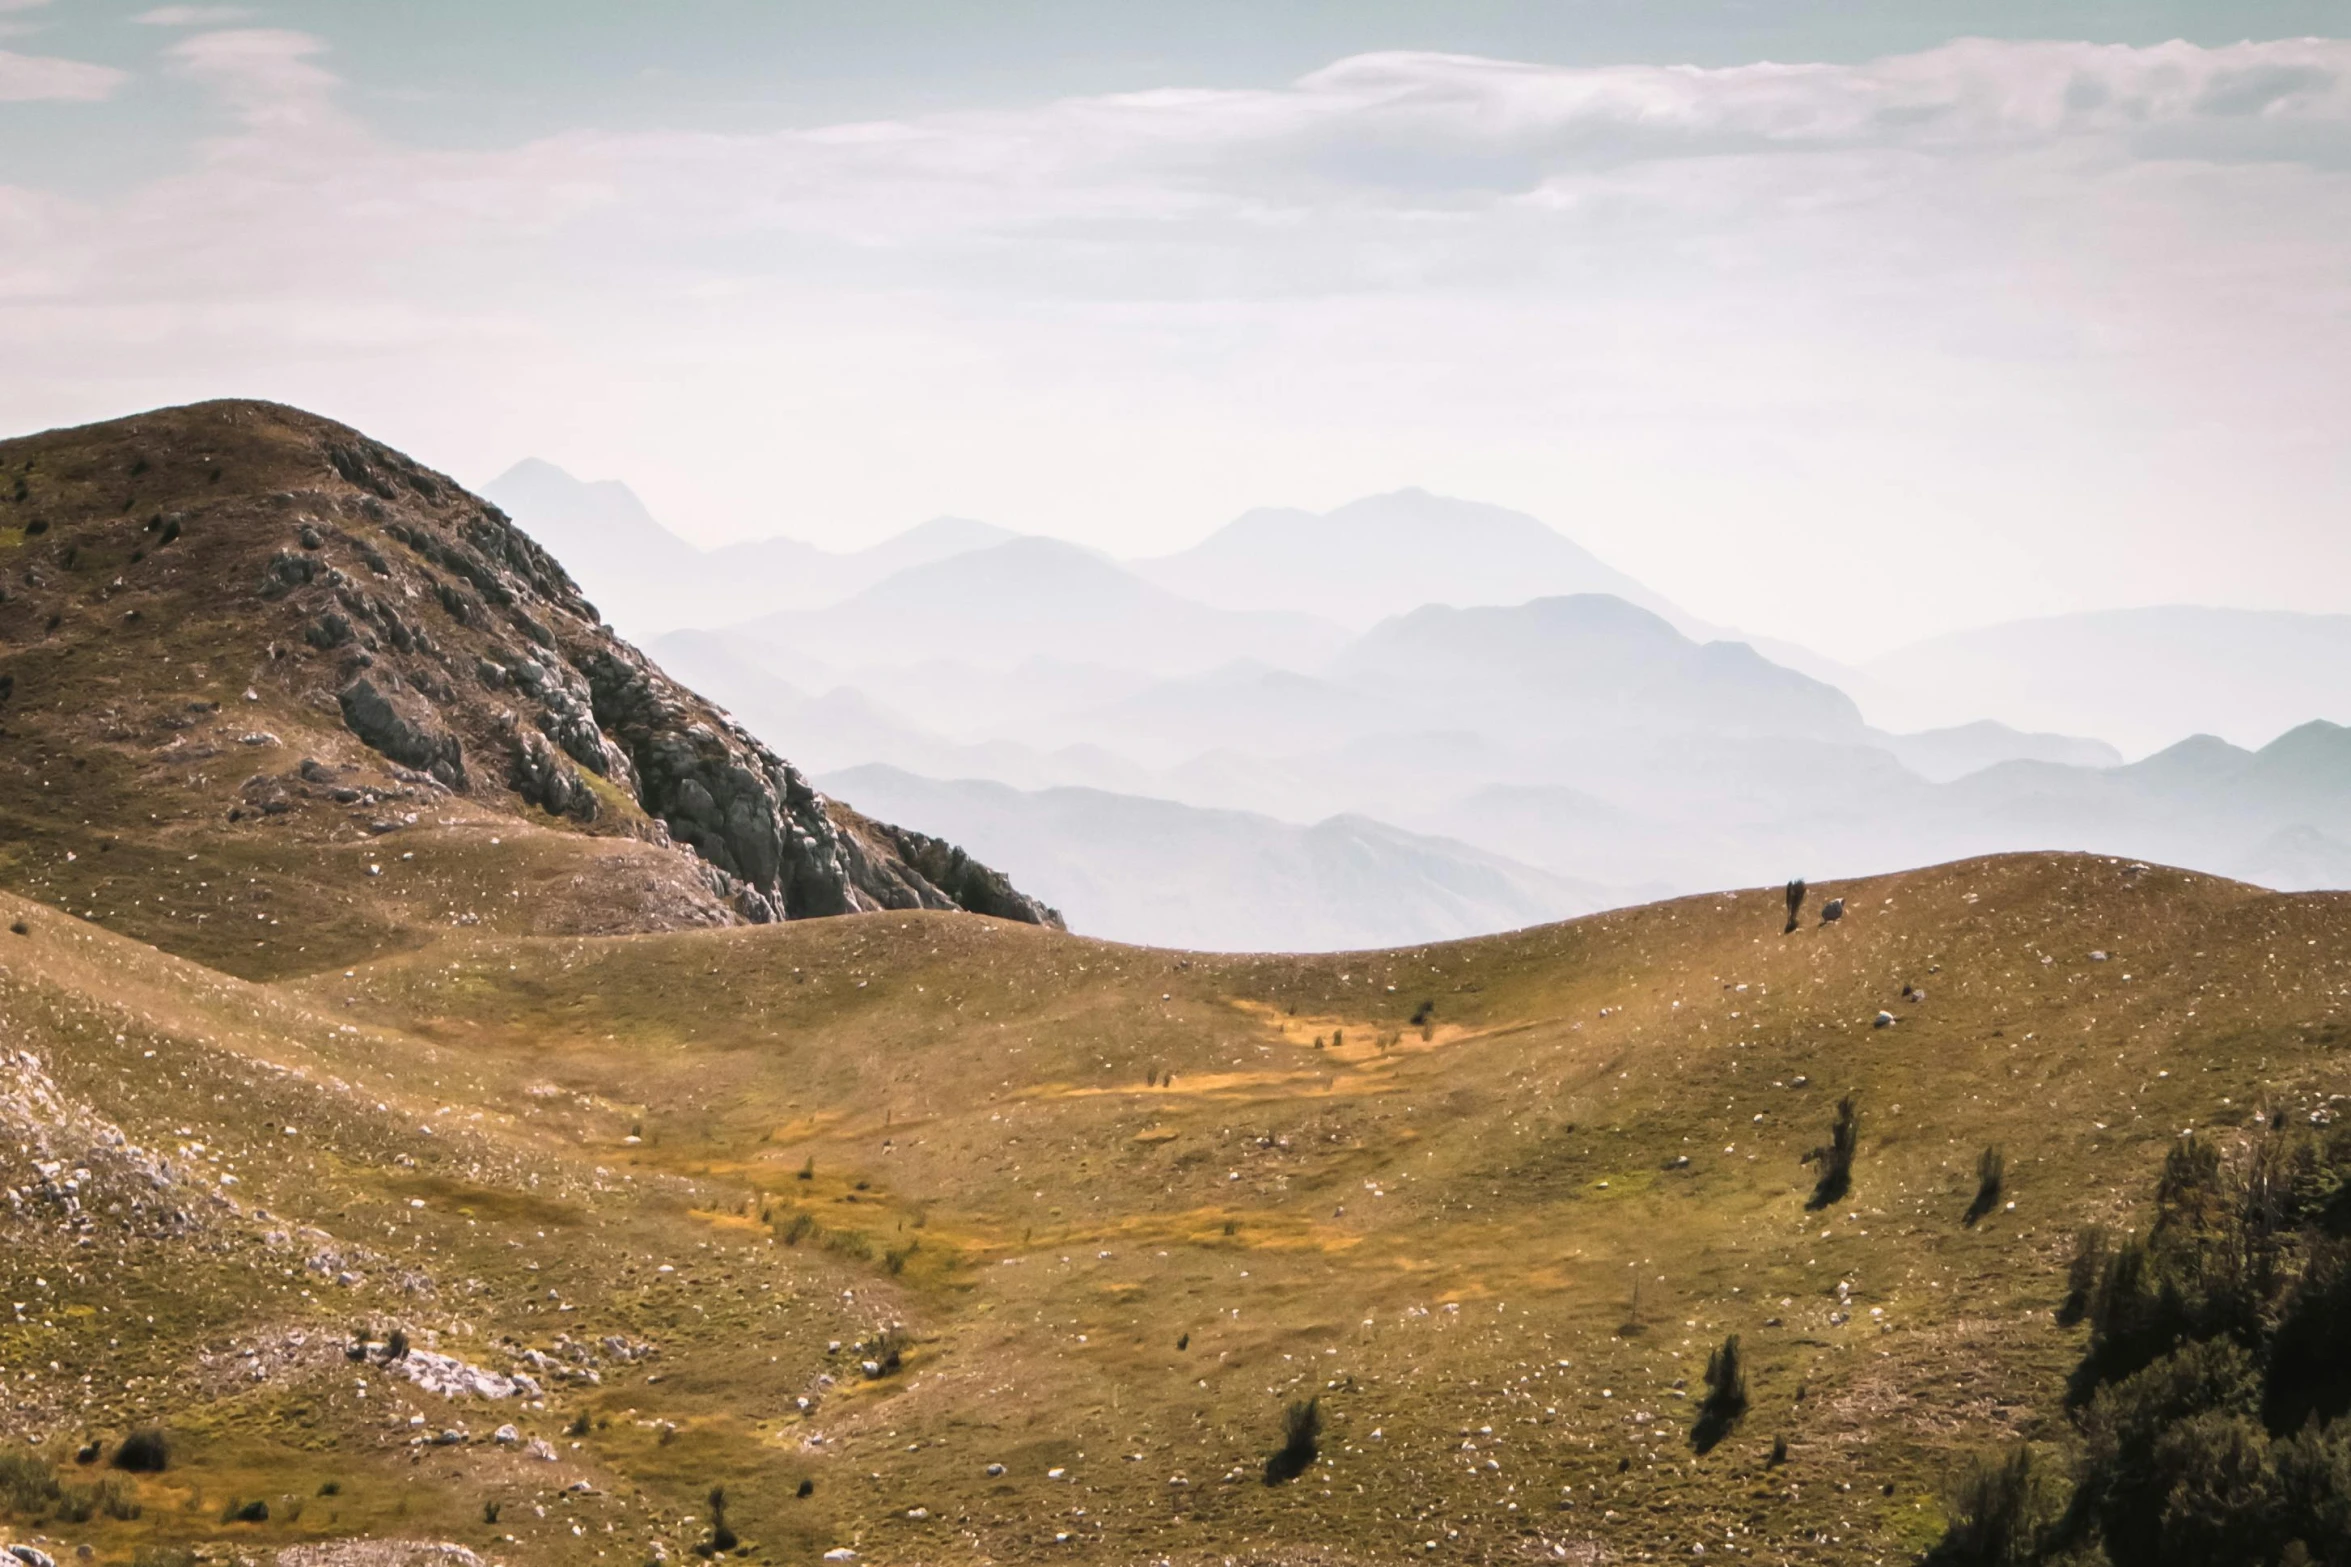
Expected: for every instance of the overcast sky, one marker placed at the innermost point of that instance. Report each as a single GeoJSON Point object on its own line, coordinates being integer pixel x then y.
{"type": "Point", "coordinates": [1826, 320]}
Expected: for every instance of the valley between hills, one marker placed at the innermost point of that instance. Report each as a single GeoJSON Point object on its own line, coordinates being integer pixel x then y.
{"type": "Point", "coordinates": [479, 1149]}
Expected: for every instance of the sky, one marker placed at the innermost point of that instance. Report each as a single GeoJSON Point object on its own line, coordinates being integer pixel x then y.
{"type": "Point", "coordinates": [1847, 323]}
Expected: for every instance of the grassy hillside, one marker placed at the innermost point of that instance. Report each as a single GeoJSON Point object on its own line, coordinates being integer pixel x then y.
{"type": "Point", "coordinates": [1098, 1215]}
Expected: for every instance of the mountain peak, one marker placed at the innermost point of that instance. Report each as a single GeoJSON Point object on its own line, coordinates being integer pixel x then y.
{"type": "Point", "coordinates": [1385, 554]}
{"type": "Point", "coordinates": [305, 640]}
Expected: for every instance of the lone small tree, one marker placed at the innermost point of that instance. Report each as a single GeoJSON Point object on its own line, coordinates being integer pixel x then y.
{"type": "Point", "coordinates": [1991, 1175]}
{"type": "Point", "coordinates": [1301, 1442]}
{"type": "Point", "coordinates": [1835, 1157]}
{"type": "Point", "coordinates": [1726, 1396]}
{"type": "Point", "coordinates": [1795, 904]}
{"type": "Point", "coordinates": [722, 1538]}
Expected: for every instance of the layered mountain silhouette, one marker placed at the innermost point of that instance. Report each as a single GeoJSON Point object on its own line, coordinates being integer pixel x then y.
{"type": "Point", "coordinates": [2140, 678]}
{"type": "Point", "coordinates": [1467, 678]}
{"type": "Point", "coordinates": [652, 581]}
{"type": "Point", "coordinates": [1388, 555]}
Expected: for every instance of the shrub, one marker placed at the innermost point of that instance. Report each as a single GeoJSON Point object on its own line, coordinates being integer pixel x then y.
{"type": "Point", "coordinates": [27, 1483]}
{"type": "Point", "coordinates": [1301, 1442]}
{"type": "Point", "coordinates": [395, 1345]}
{"type": "Point", "coordinates": [143, 1452]}
{"type": "Point", "coordinates": [1726, 1396]}
{"type": "Point", "coordinates": [2091, 1247]}
{"type": "Point", "coordinates": [2000, 1511]}
{"type": "Point", "coordinates": [797, 1231]}
{"type": "Point", "coordinates": [245, 1512]}
{"type": "Point", "coordinates": [1835, 1157]}
{"type": "Point", "coordinates": [722, 1538]}
{"type": "Point", "coordinates": [1991, 1176]}
{"type": "Point", "coordinates": [1795, 904]}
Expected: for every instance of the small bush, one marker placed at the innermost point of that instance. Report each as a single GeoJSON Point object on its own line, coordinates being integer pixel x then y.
{"type": "Point", "coordinates": [896, 1257]}
{"type": "Point", "coordinates": [1726, 1396]}
{"type": "Point", "coordinates": [808, 1170]}
{"type": "Point", "coordinates": [2091, 1247]}
{"type": "Point", "coordinates": [27, 1484]}
{"type": "Point", "coordinates": [1991, 1176]}
{"type": "Point", "coordinates": [1795, 904]}
{"type": "Point", "coordinates": [797, 1230]}
{"type": "Point", "coordinates": [490, 1511]}
{"type": "Point", "coordinates": [245, 1512]}
{"type": "Point", "coordinates": [1301, 1442]}
{"type": "Point", "coordinates": [396, 1345]}
{"type": "Point", "coordinates": [143, 1452]}
{"type": "Point", "coordinates": [1779, 1453]}
{"type": "Point", "coordinates": [722, 1538]}
{"type": "Point", "coordinates": [1835, 1157]}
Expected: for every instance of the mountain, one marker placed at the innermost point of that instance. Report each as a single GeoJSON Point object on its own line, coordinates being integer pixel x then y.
{"type": "Point", "coordinates": [649, 580]}
{"type": "Point", "coordinates": [911, 1237]}
{"type": "Point", "coordinates": [239, 634]}
{"type": "Point", "coordinates": [2140, 678]}
{"type": "Point", "coordinates": [1157, 872]}
{"type": "Point", "coordinates": [1941, 755]}
{"type": "Point", "coordinates": [1030, 598]}
{"type": "Point", "coordinates": [1387, 555]}
{"type": "Point", "coordinates": [1584, 664]}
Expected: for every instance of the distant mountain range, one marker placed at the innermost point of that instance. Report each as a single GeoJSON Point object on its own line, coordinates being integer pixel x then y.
{"type": "Point", "coordinates": [648, 580]}
{"type": "Point", "coordinates": [1387, 555]}
{"type": "Point", "coordinates": [2140, 678]}
{"type": "Point", "coordinates": [1162, 874]}
{"type": "Point", "coordinates": [1452, 715]}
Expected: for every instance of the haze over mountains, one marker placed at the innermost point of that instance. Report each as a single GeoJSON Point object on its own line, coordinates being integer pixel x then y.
{"type": "Point", "coordinates": [1415, 716]}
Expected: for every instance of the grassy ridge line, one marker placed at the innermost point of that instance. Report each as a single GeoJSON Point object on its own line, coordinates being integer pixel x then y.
{"type": "Point", "coordinates": [1420, 1234]}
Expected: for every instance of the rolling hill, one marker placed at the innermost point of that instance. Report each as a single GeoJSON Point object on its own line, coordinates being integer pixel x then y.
{"type": "Point", "coordinates": [238, 628]}
{"type": "Point", "coordinates": [924, 1235]}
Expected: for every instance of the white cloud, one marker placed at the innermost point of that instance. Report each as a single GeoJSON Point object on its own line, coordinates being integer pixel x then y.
{"type": "Point", "coordinates": [1867, 348]}
{"type": "Point", "coordinates": [192, 15]}
{"type": "Point", "coordinates": [21, 5]}
{"type": "Point", "coordinates": [29, 78]}
{"type": "Point", "coordinates": [264, 74]}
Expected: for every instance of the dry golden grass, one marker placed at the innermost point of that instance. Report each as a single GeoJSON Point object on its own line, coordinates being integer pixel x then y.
{"type": "Point", "coordinates": [969, 1129]}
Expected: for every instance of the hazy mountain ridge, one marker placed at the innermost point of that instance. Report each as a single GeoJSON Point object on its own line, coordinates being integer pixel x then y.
{"type": "Point", "coordinates": [1609, 743]}
{"type": "Point", "coordinates": [2140, 678]}
{"type": "Point", "coordinates": [649, 580]}
{"type": "Point", "coordinates": [1158, 873]}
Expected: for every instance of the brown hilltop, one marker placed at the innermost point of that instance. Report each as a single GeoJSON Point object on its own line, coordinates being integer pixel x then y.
{"type": "Point", "coordinates": [375, 707]}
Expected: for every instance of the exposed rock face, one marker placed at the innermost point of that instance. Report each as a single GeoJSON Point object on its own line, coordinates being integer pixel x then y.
{"type": "Point", "coordinates": [361, 584]}
{"type": "Point", "coordinates": [403, 726]}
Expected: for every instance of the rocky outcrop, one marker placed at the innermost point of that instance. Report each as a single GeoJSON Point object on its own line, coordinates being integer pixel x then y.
{"type": "Point", "coordinates": [403, 727]}
{"type": "Point", "coordinates": [945, 868]}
